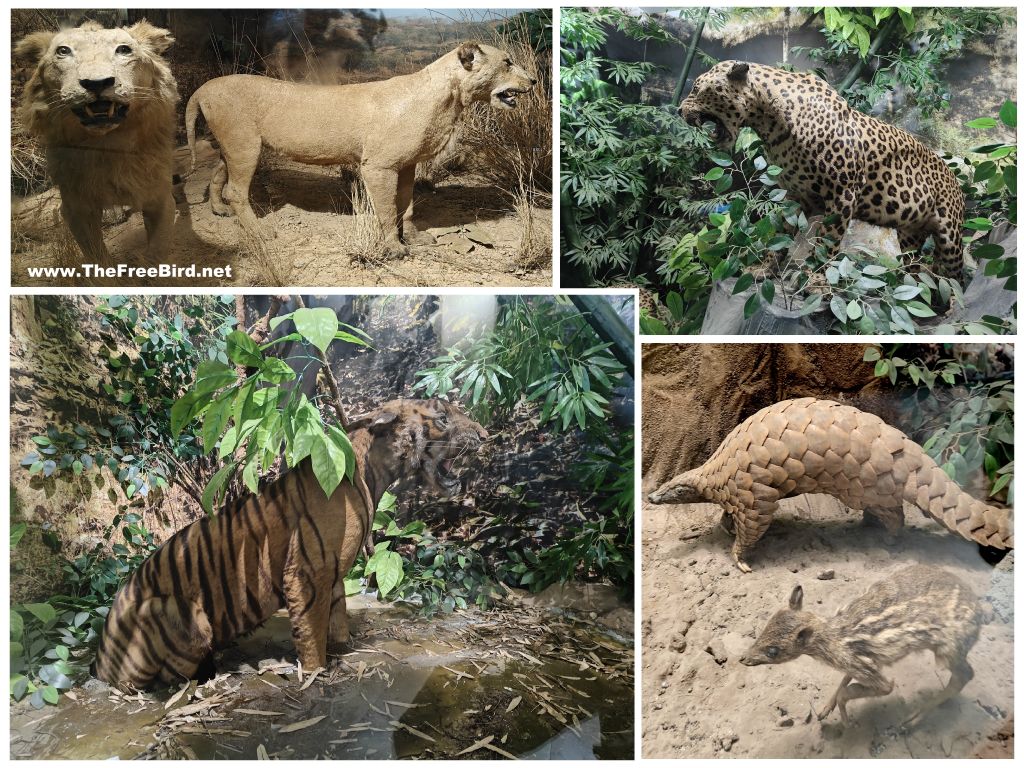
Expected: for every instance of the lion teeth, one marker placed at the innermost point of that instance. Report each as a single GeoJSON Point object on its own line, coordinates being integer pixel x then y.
{"type": "Point", "coordinates": [110, 111]}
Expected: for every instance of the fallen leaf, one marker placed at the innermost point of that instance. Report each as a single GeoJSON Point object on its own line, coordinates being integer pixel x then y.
{"type": "Point", "coordinates": [476, 745]}
{"type": "Point", "coordinates": [301, 724]}
{"type": "Point", "coordinates": [261, 753]}
{"type": "Point", "coordinates": [513, 704]}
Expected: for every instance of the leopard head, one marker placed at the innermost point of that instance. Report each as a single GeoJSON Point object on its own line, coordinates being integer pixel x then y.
{"type": "Point", "coordinates": [429, 439]}
{"type": "Point", "coordinates": [722, 97]}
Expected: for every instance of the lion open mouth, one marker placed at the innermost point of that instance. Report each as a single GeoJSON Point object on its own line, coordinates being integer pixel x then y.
{"type": "Point", "coordinates": [102, 112]}
{"type": "Point", "coordinates": [508, 96]}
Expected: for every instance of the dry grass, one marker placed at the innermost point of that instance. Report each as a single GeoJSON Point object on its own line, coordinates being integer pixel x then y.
{"type": "Point", "coordinates": [365, 238]}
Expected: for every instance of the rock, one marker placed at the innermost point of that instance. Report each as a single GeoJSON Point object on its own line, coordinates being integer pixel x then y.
{"type": "Point", "coordinates": [827, 575]}
{"type": "Point", "coordinates": [786, 722]}
{"type": "Point", "coordinates": [716, 650]}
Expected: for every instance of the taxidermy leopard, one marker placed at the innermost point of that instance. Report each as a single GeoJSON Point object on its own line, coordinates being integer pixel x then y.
{"type": "Point", "coordinates": [835, 160]}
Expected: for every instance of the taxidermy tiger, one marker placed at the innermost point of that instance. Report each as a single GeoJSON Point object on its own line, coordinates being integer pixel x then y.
{"type": "Point", "coordinates": [289, 546]}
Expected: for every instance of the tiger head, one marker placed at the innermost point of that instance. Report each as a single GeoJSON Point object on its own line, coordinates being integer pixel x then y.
{"type": "Point", "coordinates": [426, 438]}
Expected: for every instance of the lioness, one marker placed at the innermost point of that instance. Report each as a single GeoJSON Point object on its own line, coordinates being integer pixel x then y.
{"type": "Point", "coordinates": [101, 101]}
{"type": "Point", "coordinates": [386, 126]}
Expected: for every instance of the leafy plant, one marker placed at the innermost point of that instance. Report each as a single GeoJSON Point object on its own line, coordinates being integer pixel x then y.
{"type": "Point", "coordinates": [624, 165]}
{"type": "Point", "coordinates": [414, 566]}
{"type": "Point", "coordinates": [250, 419]}
{"type": "Point", "coordinates": [536, 348]}
{"type": "Point", "coordinates": [975, 431]}
{"type": "Point", "coordinates": [600, 548]}
{"type": "Point", "coordinates": [52, 642]}
{"type": "Point", "coordinates": [152, 350]}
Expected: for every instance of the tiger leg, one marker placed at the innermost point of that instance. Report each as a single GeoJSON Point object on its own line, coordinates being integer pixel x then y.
{"type": "Point", "coordinates": [163, 639]}
{"type": "Point", "coordinates": [307, 591]}
{"type": "Point", "coordinates": [338, 633]}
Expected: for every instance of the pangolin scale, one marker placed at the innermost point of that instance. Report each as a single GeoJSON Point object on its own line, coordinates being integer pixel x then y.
{"type": "Point", "coordinates": [819, 446]}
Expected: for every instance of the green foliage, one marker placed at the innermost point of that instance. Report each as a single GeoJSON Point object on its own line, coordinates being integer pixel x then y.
{"type": "Point", "coordinates": [537, 348]}
{"type": "Point", "coordinates": [976, 431]}
{"type": "Point", "coordinates": [988, 176]}
{"type": "Point", "coordinates": [414, 566]}
{"type": "Point", "coordinates": [601, 548]}
{"type": "Point", "coordinates": [165, 342]}
{"type": "Point", "coordinates": [250, 419]}
{"type": "Point", "coordinates": [910, 49]}
{"type": "Point", "coordinates": [52, 642]}
{"type": "Point", "coordinates": [625, 166]}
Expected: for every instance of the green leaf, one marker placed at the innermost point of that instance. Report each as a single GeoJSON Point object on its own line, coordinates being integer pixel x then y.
{"type": "Point", "coordinates": [328, 464]}
{"type": "Point", "coordinates": [768, 291]}
{"type": "Point", "coordinates": [1008, 114]}
{"type": "Point", "coordinates": [50, 694]}
{"type": "Point", "coordinates": [214, 490]}
{"type": "Point", "coordinates": [714, 174]}
{"type": "Point", "coordinates": [17, 625]}
{"type": "Point", "coordinates": [242, 350]}
{"type": "Point", "coordinates": [276, 371]}
{"type": "Point", "coordinates": [745, 281]}
{"type": "Point", "coordinates": [317, 325]}
{"type": "Point", "coordinates": [214, 421]}
{"type": "Point", "coordinates": [983, 123]}
{"type": "Point", "coordinates": [675, 305]}
{"type": "Point", "coordinates": [17, 532]}
{"type": "Point", "coordinates": [388, 567]}
{"type": "Point", "coordinates": [42, 611]}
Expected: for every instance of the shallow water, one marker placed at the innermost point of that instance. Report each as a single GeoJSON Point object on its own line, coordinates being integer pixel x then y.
{"type": "Point", "coordinates": [521, 682]}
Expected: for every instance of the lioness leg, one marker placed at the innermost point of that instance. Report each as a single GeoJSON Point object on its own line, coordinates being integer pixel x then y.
{"type": "Point", "coordinates": [382, 187]}
{"type": "Point", "coordinates": [84, 222]}
{"type": "Point", "coordinates": [217, 182]}
{"type": "Point", "coordinates": [406, 181]}
{"type": "Point", "coordinates": [241, 156]}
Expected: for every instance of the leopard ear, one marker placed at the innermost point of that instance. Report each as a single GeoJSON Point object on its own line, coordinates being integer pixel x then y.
{"type": "Point", "coordinates": [467, 53]}
{"type": "Point", "coordinates": [34, 46]}
{"type": "Point", "coordinates": [371, 420]}
{"type": "Point", "coordinates": [739, 71]}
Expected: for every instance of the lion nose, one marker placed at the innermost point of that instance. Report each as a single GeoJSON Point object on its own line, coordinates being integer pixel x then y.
{"type": "Point", "coordinates": [97, 86]}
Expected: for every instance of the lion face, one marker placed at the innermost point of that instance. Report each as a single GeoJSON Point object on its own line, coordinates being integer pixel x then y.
{"type": "Point", "coordinates": [428, 438]}
{"type": "Point", "coordinates": [98, 75]}
{"type": "Point", "coordinates": [720, 96]}
{"type": "Point", "coordinates": [492, 76]}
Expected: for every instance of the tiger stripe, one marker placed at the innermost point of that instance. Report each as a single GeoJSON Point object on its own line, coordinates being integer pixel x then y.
{"type": "Point", "coordinates": [286, 547]}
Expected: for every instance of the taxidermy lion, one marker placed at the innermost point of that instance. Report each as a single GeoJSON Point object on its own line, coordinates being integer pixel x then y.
{"type": "Point", "coordinates": [101, 102]}
{"type": "Point", "coordinates": [387, 127]}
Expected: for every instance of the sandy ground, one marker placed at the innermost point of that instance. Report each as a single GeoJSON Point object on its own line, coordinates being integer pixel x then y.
{"type": "Point", "coordinates": [700, 614]}
{"type": "Point", "coordinates": [469, 235]}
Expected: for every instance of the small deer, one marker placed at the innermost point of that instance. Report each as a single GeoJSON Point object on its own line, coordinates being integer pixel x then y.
{"type": "Point", "coordinates": [916, 609]}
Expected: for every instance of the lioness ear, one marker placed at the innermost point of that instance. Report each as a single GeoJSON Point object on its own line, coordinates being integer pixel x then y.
{"type": "Point", "coordinates": [371, 420]}
{"type": "Point", "coordinates": [467, 53]}
{"type": "Point", "coordinates": [34, 46]}
{"type": "Point", "coordinates": [739, 71]}
{"type": "Point", "coordinates": [158, 40]}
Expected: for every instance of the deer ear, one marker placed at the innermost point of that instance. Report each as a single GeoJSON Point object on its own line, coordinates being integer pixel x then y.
{"type": "Point", "coordinates": [804, 636]}
{"type": "Point", "coordinates": [739, 70]}
{"type": "Point", "coordinates": [796, 600]}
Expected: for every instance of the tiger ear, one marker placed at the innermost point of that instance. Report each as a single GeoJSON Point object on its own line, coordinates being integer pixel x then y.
{"type": "Point", "coordinates": [371, 420]}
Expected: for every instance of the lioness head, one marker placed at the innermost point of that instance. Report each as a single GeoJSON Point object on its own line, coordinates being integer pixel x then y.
{"type": "Point", "coordinates": [95, 75]}
{"type": "Point", "coordinates": [424, 437]}
{"type": "Point", "coordinates": [720, 96]}
{"type": "Point", "coordinates": [491, 76]}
